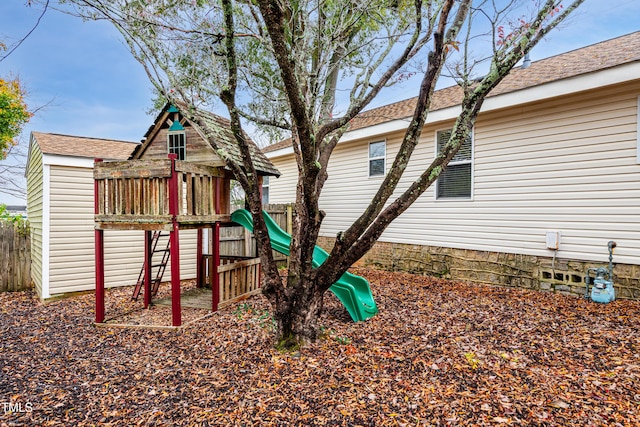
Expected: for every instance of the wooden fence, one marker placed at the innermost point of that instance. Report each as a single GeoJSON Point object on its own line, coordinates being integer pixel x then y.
{"type": "Point", "coordinates": [15, 257]}
{"type": "Point", "coordinates": [282, 215]}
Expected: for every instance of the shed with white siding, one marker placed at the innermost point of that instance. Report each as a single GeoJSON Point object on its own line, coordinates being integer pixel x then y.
{"type": "Point", "coordinates": [60, 206]}
{"type": "Point", "coordinates": [556, 148]}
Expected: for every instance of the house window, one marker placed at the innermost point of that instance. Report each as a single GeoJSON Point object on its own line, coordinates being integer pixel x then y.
{"type": "Point", "coordinates": [177, 144]}
{"type": "Point", "coordinates": [377, 154]}
{"type": "Point", "coordinates": [265, 190]}
{"type": "Point", "coordinates": [455, 181]}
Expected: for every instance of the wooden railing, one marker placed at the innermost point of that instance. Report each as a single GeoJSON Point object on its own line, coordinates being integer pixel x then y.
{"type": "Point", "coordinates": [238, 277]}
{"type": "Point", "coordinates": [137, 192]}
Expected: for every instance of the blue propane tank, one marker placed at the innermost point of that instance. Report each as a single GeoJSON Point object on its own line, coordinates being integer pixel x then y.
{"type": "Point", "coordinates": [602, 290]}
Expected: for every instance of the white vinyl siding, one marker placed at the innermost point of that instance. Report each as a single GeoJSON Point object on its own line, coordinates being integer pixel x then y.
{"type": "Point", "coordinates": [346, 194]}
{"type": "Point", "coordinates": [567, 164]}
{"type": "Point", "coordinates": [283, 188]}
{"type": "Point", "coordinates": [72, 240]}
{"type": "Point", "coordinates": [34, 212]}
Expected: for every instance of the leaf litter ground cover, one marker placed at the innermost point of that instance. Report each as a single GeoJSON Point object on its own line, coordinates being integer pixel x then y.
{"type": "Point", "coordinates": [440, 353]}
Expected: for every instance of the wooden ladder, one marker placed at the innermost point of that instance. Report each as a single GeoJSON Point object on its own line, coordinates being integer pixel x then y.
{"type": "Point", "coordinates": [161, 266]}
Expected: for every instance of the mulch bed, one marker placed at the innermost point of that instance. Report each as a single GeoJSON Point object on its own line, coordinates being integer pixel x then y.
{"type": "Point", "coordinates": [439, 353]}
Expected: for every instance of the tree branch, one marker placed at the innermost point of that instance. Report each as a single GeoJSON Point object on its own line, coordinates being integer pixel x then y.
{"type": "Point", "coordinates": [13, 49]}
{"type": "Point", "coordinates": [273, 286]}
{"type": "Point", "coordinates": [412, 135]}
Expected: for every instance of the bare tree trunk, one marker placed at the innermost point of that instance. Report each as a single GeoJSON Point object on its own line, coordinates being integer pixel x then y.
{"type": "Point", "coordinates": [297, 316]}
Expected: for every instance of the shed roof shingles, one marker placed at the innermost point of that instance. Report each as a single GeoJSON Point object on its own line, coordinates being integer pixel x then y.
{"type": "Point", "coordinates": [599, 56]}
{"type": "Point", "coordinates": [78, 146]}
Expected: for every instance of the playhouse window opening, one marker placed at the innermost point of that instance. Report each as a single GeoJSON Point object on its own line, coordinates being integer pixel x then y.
{"type": "Point", "coordinates": [377, 154]}
{"type": "Point", "coordinates": [237, 194]}
{"type": "Point", "coordinates": [455, 180]}
{"type": "Point", "coordinates": [177, 144]}
{"type": "Point", "coordinates": [265, 190]}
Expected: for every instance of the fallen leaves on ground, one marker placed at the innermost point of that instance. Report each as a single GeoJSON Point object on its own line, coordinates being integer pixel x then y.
{"type": "Point", "coordinates": [439, 353]}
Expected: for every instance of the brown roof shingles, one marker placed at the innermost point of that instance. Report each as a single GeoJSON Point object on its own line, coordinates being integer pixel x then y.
{"type": "Point", "coordinates": [599, 56]}
{"type": "Point", "coordinates": [78, 146]}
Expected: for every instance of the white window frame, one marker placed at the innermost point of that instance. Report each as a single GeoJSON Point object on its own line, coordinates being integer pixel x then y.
{"type": "Point", "coordinates": [383, 158]}
{"type": "Point", "coordinates": [471, 161]}
{"type": "Point", "coordinates": [184, 138]}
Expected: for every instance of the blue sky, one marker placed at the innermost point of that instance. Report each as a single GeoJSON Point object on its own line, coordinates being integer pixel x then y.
{"type": "Point", "coordinates": [92, 86]}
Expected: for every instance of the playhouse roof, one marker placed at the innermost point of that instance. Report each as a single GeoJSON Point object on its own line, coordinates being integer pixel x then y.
{"type": "Point", "coordinates": [597, 57]}
{"type": "Point", "coordinates": [80, 146]}
{"type": "Point", "coordinates": [225, 141]}
{"type": "Point", "coordinates": [221, 137]}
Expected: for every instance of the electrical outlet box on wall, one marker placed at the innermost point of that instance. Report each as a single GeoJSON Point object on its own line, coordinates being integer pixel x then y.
{"type": "Point", "coordinates": [553, 240]}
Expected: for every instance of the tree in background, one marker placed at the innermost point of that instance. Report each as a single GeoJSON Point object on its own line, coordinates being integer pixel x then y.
{"type": "Point", "coordinates": [14, 114]}
{"type": "Point", "coordinates": [12, 171]}
{"type": "Point", "coordinates": [304, 69]}
{"type": "Point", "coordinates": [7, 216]}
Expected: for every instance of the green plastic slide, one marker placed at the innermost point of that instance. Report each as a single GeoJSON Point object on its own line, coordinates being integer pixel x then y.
{"type": "Point", "coordinates": [353, 291]}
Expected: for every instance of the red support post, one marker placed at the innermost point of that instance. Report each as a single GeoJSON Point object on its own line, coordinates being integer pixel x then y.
{"type": "Point", "coordinates": [176, 314]}
{"type": "Point", "coordinates": [99, 239]}
{"type": "Point", "coordinates": [199, 259]}
{"type": "Point", "coordinates": [147, 268]}
{"type": "Point", "coordinates": [99, 257]}
{"type": "Point", "coordinates": [215, 260]}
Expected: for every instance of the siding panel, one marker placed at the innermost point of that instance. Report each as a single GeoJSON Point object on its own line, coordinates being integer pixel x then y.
{"type": "Point", "coordinates": [566, 164]}
{"type": "Point", "coordinates": [283, 188]}
{"type": "Point", "coordinates": [34, 212]}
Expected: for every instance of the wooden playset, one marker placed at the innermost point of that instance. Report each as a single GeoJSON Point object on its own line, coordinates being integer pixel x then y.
{"type": "Point", "coordinates": [176, 180]}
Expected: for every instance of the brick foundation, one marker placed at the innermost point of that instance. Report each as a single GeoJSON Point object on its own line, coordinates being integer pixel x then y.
{"type": "Point", "coordinates": [504, 269]}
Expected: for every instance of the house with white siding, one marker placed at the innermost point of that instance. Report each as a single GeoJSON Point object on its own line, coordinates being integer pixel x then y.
{"type": "Point", "coordinates": [550, 175]}
{"type": "Point", "coordinates": [60, 206]}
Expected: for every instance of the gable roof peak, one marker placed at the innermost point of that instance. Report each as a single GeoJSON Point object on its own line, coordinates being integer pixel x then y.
{"type": "Point", "coordinates": [215, 130]}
